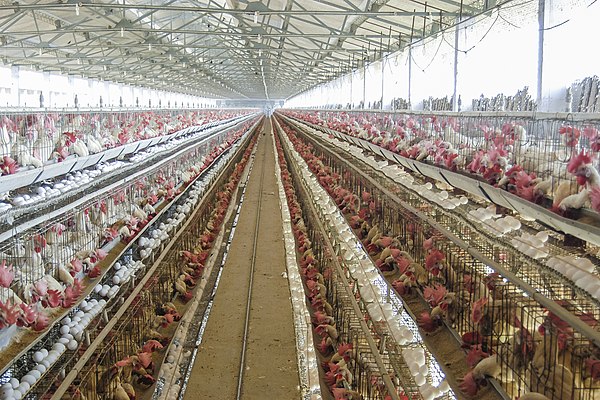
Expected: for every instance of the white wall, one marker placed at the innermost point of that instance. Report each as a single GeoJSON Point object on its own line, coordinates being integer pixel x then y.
{"type": "Point", "coordinates": [20, 88]}
{"type": "Point", "coordinates": [495, 53]}
{"type": "Point", "coordinates": [570, 47]}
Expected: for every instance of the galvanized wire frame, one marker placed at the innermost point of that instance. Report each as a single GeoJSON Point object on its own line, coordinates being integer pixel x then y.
{"type": "Point", "coordinates": [507, 301]}
{"type": "Point", "coordinates": [134, 328]}
{"type": "Point", "coordinates": [92, 235]}
{"type": "Point", "coordinates": [367, 375]}
{"type": "Point", "coordinates": [388, 346]}
{"type": "Point", "coordinates": [544, 148]}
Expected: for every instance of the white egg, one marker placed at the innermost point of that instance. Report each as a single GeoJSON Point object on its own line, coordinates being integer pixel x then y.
{"type": "Point", "coordinates": [38, 356]}
{"type": "Point", "coordinates": [35, 373]}
{"type": "Point", "coordinates": [14, 382]}
{"type": "Point", "coordinates": [53, 353]}
{"type": "Point", "coordinates": [79, 314]}
{"type": "Point", "coordinates": [46, 363]}
{"type": "Point", "coordinates": [591, 286]}
{"type": "Point", "coordinates": [7, 393]}
{"type": "Point", "coordinates": [83, 303]}
{"type": "Point", "coordinates": [72, 345]}
{"type": "Point", "coordinates": [40, 367]}
{"type": "Point", "coordinates": [419, 379]}
{"type": "Point", "coordinates": [24, 387]}
{"type": "Point", "coordinates": [29, 379]}
{"type": "Point", "coordinates": [17, 394]}
{"type": "Point", "coordinates": [59, 347]}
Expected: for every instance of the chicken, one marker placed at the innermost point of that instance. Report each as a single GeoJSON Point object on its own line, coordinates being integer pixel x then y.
{"type": "Point", "coordinates": [93, 145]}
{"type": "Point", "coordinates": [344, 353]}
{"type": "Point", "coordinates": [25, 158]}
{"type": "Point", "coordinates": [587, 176]}
{"type": "Point", "coordinates": [430, 322]}
{"type": "Point", "coordinates": [472, 381]}
{"type": "Point", "coordinates": [7, 274]}
{"type": "Point", "coordinates": [325, 330]}
{"type": "Point", "coordinates": [8, 166]}
{"type": "Point", "coordinates": [180, 288]}
{"type": "Point", "coordinates": [119, 392]}
{"type": "Point", "coordinates": [64, 275]}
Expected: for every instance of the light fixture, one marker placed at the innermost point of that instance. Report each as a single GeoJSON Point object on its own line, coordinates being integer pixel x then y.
{"type": "Point", "coordinates": [122, 32]}
{"type": "Point", "coordinates": [170, 57]}
{"type": "Point", "coordinates": [76, 9]}
{"type": "Point", "coordinates": [149, 46]}
{"type": "Point", "coordinates": [256, 17]}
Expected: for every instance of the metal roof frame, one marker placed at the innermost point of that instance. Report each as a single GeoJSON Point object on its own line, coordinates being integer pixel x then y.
{"type": "Point", "coordinates": [238, 49]}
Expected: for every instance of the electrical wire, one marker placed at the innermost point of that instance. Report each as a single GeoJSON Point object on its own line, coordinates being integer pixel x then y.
{"type": "Point", "coordinates": [507, 21]}
{"type": "Point", "coordinates": [476, 44]}
{"type": "Point", "coordinates": [432, 60]}
{"type": "Point", "coordinates": [567, 20]}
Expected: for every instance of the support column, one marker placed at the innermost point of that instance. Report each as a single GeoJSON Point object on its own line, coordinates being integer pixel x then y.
{"type": "Point", "coordinates": [15, 87]}
{"type": "Point", "coordinates": [409, 77]}
{"type": "Point", "coordinates": [455, 89]}
{"type": "Point", "coordinates": [383, 59]}
{"type": "Point", "coordinates": [540, 71]}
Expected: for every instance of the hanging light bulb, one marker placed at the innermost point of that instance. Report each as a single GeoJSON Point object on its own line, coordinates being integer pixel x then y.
{"type": "Point", "coordinates": [76, 9]}
{"type": "Point", "coordinates": [149, 46]}
{"type": "Point", "coordinates": [122, 32]}
{"type": "Point", "coordinates": [40, 52]}
{"type": "Point", "coordinates": [170, 57]}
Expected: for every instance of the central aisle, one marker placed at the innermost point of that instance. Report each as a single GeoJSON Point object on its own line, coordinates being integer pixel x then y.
{"type": "Point", "coordinates": [271, 363]}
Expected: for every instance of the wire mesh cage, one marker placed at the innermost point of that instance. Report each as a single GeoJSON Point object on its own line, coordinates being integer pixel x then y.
{"type": "Point", "coordinates": [493, 314]}
{"type": "Point", "coordinates": [65, 250]}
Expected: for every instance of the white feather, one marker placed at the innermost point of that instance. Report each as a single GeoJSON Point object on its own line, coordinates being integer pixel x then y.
{"type": "Point", "coordinates": [65, 276]}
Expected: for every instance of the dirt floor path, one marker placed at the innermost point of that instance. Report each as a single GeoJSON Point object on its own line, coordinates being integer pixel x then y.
{"type": "Point", "coordinates": [271, 370]}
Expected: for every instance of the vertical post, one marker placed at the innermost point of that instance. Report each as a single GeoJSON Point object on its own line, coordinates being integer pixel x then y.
{"type": "Point", "coordinates": [409, 75]}
{"type": "Point", "coordinates": [455, 89]}
{"type": "Point", "coordinates": [351, 83]}
{"type": "Point", "coordinates": [382, 78]}
{"type": "Point", "coordinates": [540, 70]}
{"type": "Point", "coordinates": [15, 87]}
{"type": "Point", "coordinates": [364, 84]}
{"type": "Point", "coordinates": [412, 30]}
{"type": "Point", "coordinates": [382, 67]}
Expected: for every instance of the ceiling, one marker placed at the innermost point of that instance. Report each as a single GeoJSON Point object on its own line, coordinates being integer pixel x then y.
{"type": "Point", "coordinates": [232, 49]}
